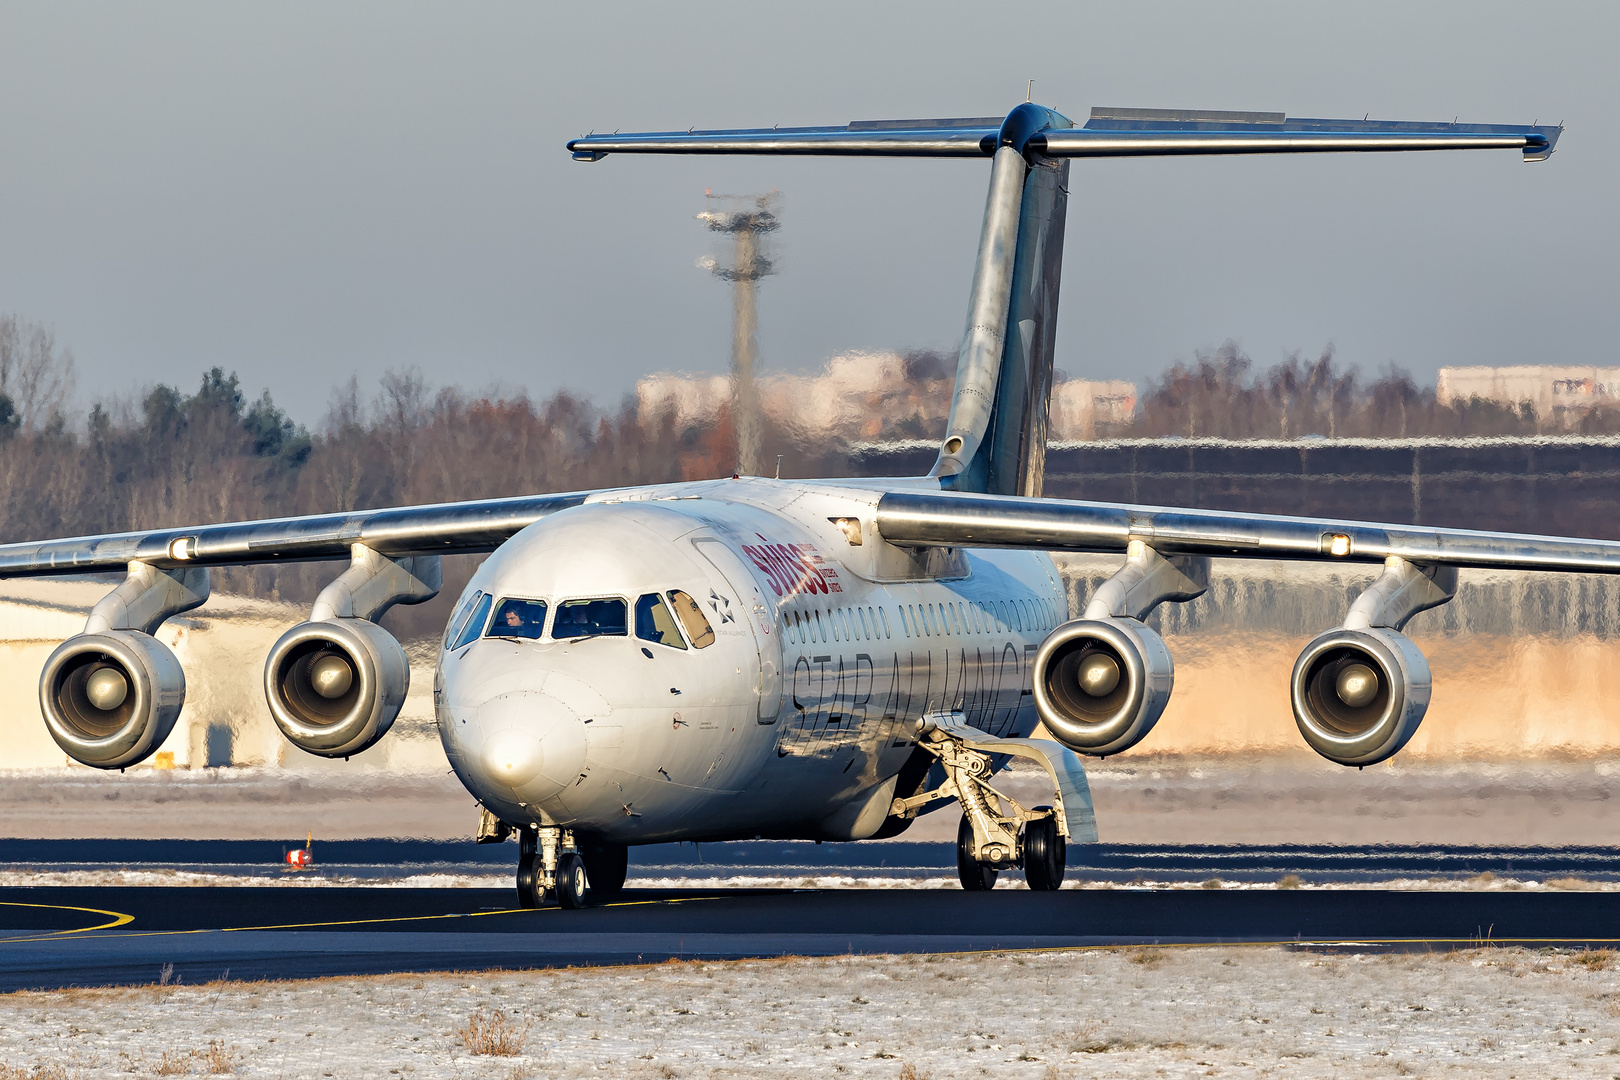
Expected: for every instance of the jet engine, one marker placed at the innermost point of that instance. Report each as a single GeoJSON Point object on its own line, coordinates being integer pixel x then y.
{"type": "Point", "coordinates": [335, 686]}
{"type": "Point", "coordinates": [1100, 684]}
{"type": "Point", "coordinates": [110, 698]}
{"type": "Point", "coordinates": [1359, 695]}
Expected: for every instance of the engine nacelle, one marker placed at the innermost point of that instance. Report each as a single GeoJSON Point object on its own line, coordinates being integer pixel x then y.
{"type": "Point", "coordinates": [112, 697]}
{"type": "Point", "coordinates": [1101, 684]}
{"type": "Point", "coordinates": [1359, 695]}
{"type": "Point", "coordinates": [335, 686]}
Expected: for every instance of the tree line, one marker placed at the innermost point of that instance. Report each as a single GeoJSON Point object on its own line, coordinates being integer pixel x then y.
{"type": "Point", "coordinates": [171, 456]}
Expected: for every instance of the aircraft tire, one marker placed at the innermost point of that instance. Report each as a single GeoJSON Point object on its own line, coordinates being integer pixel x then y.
{"type": "Point", "coordinates": [974, 875]}
{"type": "Point", "coordinates": [605, 868]}
{"type": "Point", "coordinates": [572, 878]}
{"type": "Point", "coordinates": [1045, 855]}
{"type": "Point", "coordinates": [529, 893]}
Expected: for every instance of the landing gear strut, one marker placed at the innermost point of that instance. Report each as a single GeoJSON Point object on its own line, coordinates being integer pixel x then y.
{"type": "Point", "coordinates": [991, 839]}
{"type": "Point", "coordinates": [549, 863]}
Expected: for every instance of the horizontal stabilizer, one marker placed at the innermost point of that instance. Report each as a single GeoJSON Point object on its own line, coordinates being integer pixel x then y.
{"type": "Point", "coordinates": [1110, 132]}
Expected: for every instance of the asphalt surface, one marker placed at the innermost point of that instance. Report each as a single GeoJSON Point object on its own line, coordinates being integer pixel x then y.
{"type": "Point", "coordinates": [1120, 863]}
{"type": "Point", "coordinates": [66, 936]}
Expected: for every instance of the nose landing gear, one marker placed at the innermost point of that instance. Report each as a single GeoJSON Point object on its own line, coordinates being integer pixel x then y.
{"type": "Point", "coordinates": [551, 865]}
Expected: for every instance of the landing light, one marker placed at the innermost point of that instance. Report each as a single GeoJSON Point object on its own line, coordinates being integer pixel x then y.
{"type": "Point", "coordinates": [850, 527]}
{"type": "Point", "coordinates": [182, 548]}
{"type": "Point", "coordinates": [1336, 544]}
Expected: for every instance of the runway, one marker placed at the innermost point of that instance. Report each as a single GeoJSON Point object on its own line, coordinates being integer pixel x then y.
{"type": "Point", "coordinates": [53, 937]}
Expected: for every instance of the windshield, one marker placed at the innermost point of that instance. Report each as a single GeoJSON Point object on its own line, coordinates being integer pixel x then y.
{"type": "Point", "coordinates": [655, 623]}
{"type": "Point", "coordinates": [474, 625]}
{"type": "Point", "coordinates": [516, 618]}
{"type": "Point", "coordinates": [590, 618]}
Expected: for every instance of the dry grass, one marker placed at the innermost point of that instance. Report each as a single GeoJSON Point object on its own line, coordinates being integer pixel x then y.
{"type": "Point", "coordinates": [494, 1034]}
{"type": "Point", "coordinates": [1213, 883]}
{"type": "Point", "coordinates": [1289, 881]}
{"type": "Point", "coordinates": [908, 1071]}
{"type": "Point", "coordinates": [173, 1063]}
{"type": "Point", "coordinates": [1148, 958]}
{"type": "Point", "coordinates": [38, 1072]}
{"type": "Point", "coordinates": [1595, 959]}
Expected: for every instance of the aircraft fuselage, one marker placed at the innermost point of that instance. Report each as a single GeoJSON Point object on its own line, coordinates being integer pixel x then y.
{"type": "Point", "coordinates": [786, 708]}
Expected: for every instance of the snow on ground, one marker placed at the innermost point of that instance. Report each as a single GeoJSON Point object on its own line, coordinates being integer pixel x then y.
{"type": "Point", "coordinates": [1220, 1011]}
{"type": "Point", "coordinates": [427, 879]}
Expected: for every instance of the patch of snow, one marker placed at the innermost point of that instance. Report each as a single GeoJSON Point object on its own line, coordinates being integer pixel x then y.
{"type": "Point", "coordinates": [1177, 1012]}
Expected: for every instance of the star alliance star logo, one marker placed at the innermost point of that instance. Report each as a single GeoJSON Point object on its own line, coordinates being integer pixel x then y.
{"type": "Point", "coordinates": [721, 606]}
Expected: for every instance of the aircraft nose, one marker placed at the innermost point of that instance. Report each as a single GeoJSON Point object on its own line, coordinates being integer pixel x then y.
{"type": "Point", "coordinates": [535, 744]}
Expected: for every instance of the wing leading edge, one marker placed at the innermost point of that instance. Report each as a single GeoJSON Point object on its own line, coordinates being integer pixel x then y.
{"type": "Point", "coordinates": [440, 529]}
{"type": "Point", "coordinates": [947, 519]}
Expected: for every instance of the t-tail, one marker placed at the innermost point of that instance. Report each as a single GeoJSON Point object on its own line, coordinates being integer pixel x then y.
{"type": "Point", "coordinates": [995, 438]}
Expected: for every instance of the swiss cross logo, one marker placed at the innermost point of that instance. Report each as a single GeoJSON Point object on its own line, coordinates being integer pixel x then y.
{"type": "Point", "coordinates": [792, 569]}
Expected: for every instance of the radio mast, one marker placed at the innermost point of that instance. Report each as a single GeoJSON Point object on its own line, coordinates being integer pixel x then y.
{"type": "Point", "coordinates": [746, 219]}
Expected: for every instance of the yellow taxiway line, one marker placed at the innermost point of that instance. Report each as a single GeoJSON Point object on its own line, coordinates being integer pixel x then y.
{"type": "Point", "coordinates": [118, 919]}
{"type": "Point", "coordinates": [121, 920]}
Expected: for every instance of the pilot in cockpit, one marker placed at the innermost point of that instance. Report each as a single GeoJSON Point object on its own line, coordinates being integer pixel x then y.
{"type": "Point", "coordinates": [516, 618]}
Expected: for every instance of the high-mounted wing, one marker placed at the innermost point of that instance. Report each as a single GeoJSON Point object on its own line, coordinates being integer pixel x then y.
{"type": "Point", "coordinates": [948, 519]}
{"type": "Point", "coordinates": [397, 532]}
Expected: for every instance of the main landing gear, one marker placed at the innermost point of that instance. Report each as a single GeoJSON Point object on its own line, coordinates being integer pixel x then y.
{"type": "Point", "coordinates": [990, 839]}
{"type": "Point", "coordinates": [552, 865]}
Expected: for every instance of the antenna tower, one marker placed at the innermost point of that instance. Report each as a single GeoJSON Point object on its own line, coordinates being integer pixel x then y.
{"type": "Point", "coordinates": [745, 219]}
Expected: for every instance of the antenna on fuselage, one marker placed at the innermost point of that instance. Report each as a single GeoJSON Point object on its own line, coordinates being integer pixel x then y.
{"type": "Point", "coordinates": [746, 219]}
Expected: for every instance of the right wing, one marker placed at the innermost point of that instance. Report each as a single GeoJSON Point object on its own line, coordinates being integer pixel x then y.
{"type": "Point", "coordinates": [479, 525]}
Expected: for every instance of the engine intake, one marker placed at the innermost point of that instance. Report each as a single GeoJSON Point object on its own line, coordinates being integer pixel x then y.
{"type": "Point", "coordinates": [1359, 695]}
{"type": "Point", "coordinates": [335, 686]}
{"type": "Point", "coordinates": [111, 698]}
{"type": "Point", "coordinates": [1101, 684]}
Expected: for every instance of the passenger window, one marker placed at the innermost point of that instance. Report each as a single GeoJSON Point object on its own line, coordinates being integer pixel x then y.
{"type": "Point", "coordinates": [832, 624]}
{"type": "Point", "coordinates": [884, 615]}
{"type": "Point", "coordinates": [459, 619]}
{"type": "Point", "coordinates": [590, 618]}
{"type": "Point", "coordinates": [844, 622]}
{"type": "Point", "coordinates": [930, 620]}
{"type": "Point", "coordinates": [516, 618]}
{"type": "Point", "coordinates": [475, 623]}
{"type": "Point", "coordinates": [655, 623]}
{"type": "Point", "coordinates": [692, 617]}
{"type": "Point", "coordinates": [866, 626]}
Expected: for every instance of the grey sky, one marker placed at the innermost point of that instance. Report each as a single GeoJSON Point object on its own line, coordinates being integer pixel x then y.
{"type": "Point", "coordinates": [305, 191]}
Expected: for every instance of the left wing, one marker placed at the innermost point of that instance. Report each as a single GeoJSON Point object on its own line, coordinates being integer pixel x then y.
{"type": "Point", "coordinates": [948, 519]}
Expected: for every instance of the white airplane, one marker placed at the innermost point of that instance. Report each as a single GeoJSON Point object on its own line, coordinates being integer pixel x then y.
{"type": "Point", "coordinates": [824, 660]}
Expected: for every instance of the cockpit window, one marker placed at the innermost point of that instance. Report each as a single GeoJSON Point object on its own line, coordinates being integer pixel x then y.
{"type": "Point", "coordinates": [655, 623]}
{"type": "Point", "coordinates": [475, 623]}
{"type": "Point", "coordinates": [459, 617]}
{"type": "Point", "coordinates": [516, 618]}
{"type": "Point", "coordinates": [589, 618]}
{"type": "Point", "coordinates": [691, 616]}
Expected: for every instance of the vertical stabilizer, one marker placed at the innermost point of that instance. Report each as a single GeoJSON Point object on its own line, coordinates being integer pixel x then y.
{"type": "Point", "coordinates": [995, 439]}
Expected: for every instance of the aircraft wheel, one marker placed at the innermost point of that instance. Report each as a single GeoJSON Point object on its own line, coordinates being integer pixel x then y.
{"type": "Point", "coordinates": [529, 893]}
{"type": "Point", "coordinates": [975, 875]}
{"type": "Point", "coordinates": [605, 868]}
{"type": "Point", "coordinates": [1045, 855]}
{"type": "Point", "coordinates": [571, 881]}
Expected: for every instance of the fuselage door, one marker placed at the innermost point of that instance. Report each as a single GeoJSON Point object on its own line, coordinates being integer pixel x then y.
{"type": "Point", "coordinates": [758, 613]}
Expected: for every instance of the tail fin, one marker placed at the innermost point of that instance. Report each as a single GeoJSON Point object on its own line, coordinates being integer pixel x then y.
{"type": "Point", "coordinates": [995, 439]}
